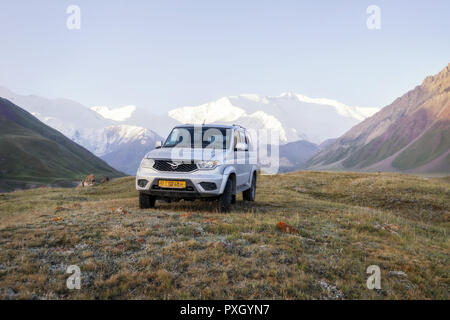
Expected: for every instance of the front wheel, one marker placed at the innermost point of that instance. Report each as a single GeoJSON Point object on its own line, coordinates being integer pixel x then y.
{"type": "Point", "coordinates": [146, 201]}
{"type": "Point", "coordinates": [226, 198]}
{"type": "Point", "coordinates": [250, 194]}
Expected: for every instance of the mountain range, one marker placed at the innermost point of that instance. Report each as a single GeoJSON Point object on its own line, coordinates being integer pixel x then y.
{"type": "Point", "coordinates": [122, 136]}
{"type": "Point", "coordinates": [32, 153]}
{"type": "Point", "coordinates": [121, 145]}
{"type": "Point", "coordinates": [410, 135]}
{"type": "Point", "coordinates": [296, 117]}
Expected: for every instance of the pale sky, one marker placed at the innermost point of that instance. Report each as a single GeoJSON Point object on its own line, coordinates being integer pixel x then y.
{"type": "Point", "coordinates": [160, 55]}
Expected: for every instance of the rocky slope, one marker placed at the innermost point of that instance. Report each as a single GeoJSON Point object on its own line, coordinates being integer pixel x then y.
{"type": "Point", "coordinates": [411, 135]}
{"type": "Point", "coordinates": [32, 153]}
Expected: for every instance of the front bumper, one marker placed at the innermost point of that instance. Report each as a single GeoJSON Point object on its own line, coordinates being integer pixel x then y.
{"type": "Point", "coordinates": [197, 183]}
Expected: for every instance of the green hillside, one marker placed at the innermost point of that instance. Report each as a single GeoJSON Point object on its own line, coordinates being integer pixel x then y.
{"type": "Point", "coordinates": [31, 153]}
{"type": "Point", "coordinates": [410, 135]}
{"type": "Point", "coordinates": [430, 146]}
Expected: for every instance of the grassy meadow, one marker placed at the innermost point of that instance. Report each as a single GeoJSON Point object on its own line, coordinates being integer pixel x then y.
{"type": "Point", "coordinates": [343, 223]}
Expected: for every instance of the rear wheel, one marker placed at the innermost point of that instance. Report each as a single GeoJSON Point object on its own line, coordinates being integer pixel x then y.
{"type": "Point", "coordinates": [226, 197]}
{"type": "Point", "coordinates": [146, 201]}
{"type": "Point", "coordinates": [250, 194]}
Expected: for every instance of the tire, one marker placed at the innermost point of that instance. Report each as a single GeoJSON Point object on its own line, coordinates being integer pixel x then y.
{"type": "Point", "coordinates": [226, 197]}
{"type": "Point", "coordinates": [250, 194]}
{"type": "Point", "coordinates": [146, 201]}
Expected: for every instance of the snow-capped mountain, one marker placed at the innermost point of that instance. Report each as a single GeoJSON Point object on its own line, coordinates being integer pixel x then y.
{"type": "Point", "coordinates": [131, 115]}
{"type": "Point", "coordinates": [295, 116]}
{"type": "Point", "coordinates": [64, 115]}
{"type": "Point", "coordinates": [124, 146]}
{"type": "Point", "coordinates": [122, 136]}
{"type": "Point", "coordinates": [119, 114]}
{"type": "Point", "coordinates": [101, 135]}
{"type": "Point", "coordinates": [112, 138]}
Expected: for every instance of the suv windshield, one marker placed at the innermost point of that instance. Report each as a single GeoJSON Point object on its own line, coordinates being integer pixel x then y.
{"type": "Point", "coordinates": [199, 137]}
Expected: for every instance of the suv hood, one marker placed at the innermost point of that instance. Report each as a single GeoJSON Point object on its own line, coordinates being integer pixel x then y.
{"type": "Point", "coordinates": [186, 154]}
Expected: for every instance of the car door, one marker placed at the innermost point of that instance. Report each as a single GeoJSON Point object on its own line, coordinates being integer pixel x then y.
{"type": "Point", "coordinates": [244, 158]}
{"type": "Point", "coordinates": [239, 159]}
{"type": "Point", "coordinates": [245, 155]}
{"type": "Point", "coordinates": [249, 160]}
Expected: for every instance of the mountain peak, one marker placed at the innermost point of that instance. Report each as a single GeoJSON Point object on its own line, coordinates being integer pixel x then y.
{"type": "Point", "coordinates": [439, 81]}
{"type": "Point", "coordinates": [288, 94]}
{"type": "Point", "coordinates": [118, 114]}
{"type": "Point", "coordinates": [250, 96]}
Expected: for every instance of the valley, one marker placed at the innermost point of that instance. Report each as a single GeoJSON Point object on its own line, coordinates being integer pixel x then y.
{"type": "Point", "coordinates": [341, 224]}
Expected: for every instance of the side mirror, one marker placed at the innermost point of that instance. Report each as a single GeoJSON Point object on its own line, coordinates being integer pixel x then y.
{"type": "Point", "coordinates": [158, 144]}
{"type": "Point", "coordinates": [240, 146]}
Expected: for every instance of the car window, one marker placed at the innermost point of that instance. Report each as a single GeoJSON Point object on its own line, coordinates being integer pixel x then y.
{"type": "Point", "coordinates": [241, 136]}
{"type": "Point", "coordinates": [205, 137]}
{"type": "Point", "coordinates": [248, 141]}
{"type": "Point", "coordinates": [236, 138]}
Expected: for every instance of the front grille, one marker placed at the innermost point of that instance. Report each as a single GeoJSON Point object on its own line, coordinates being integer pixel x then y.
{"type": "Point", "coordinates": [165, 165]}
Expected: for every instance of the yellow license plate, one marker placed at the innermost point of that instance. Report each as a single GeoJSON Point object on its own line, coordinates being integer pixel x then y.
{"type": "Point", "coordinates": [172, 184]}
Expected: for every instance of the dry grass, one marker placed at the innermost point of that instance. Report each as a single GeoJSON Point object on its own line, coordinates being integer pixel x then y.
{"type": "Point", "coordinates": [346, 222]}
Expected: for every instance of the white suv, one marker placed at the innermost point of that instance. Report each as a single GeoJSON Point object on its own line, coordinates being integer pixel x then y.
{"type": "Point", "coordinates": [199, 161]}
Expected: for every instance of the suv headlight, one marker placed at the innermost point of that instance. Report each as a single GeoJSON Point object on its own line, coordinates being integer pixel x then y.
{"type": "Point", "coordinates": [147, 163]}
{"type": "Point", "coordinates": [208, 165]}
